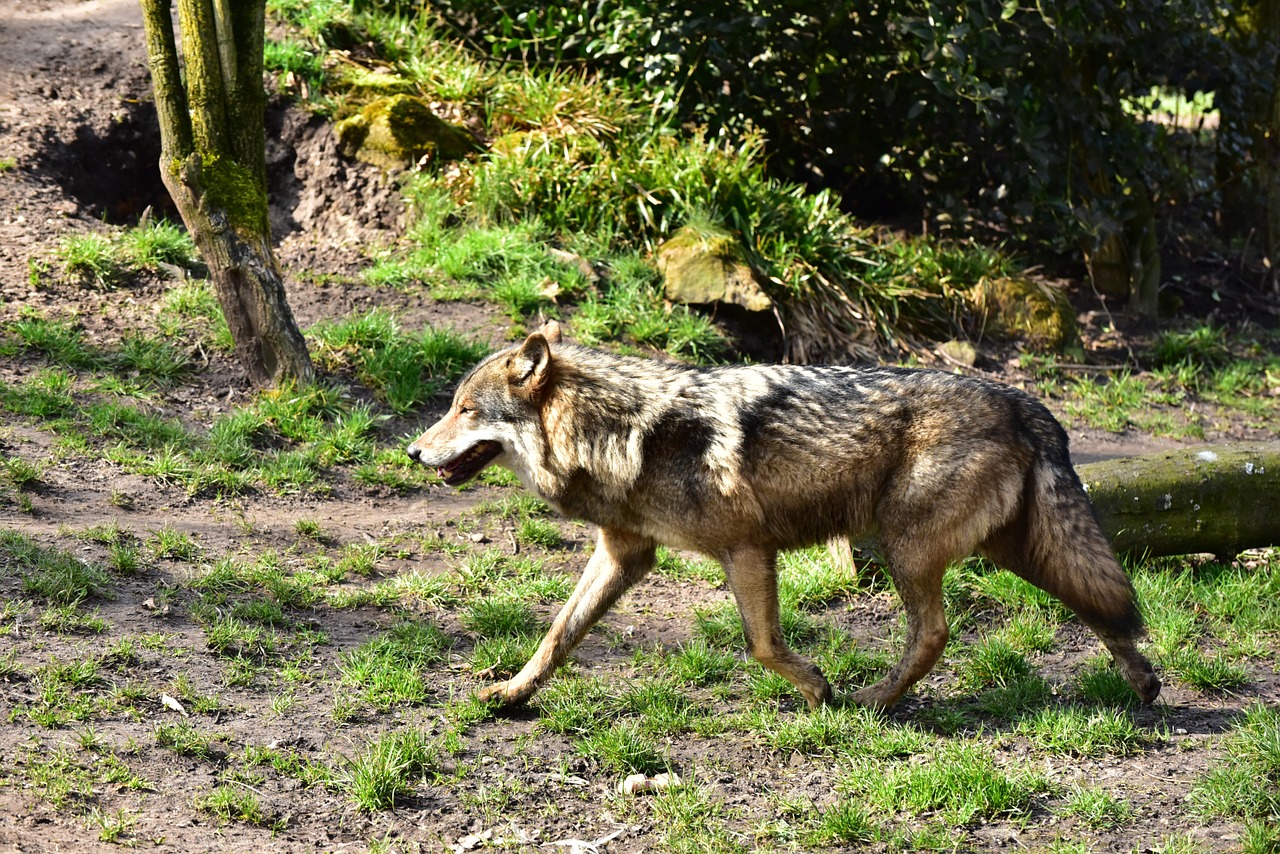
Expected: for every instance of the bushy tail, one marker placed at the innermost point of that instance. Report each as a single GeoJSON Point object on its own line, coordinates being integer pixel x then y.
{"type": "Point", "coordinates": [1069, 555]}
{"type": "Point", "coordinates": [1057, 544]}
{"type": "Point", "coordinates": [1065, 552]}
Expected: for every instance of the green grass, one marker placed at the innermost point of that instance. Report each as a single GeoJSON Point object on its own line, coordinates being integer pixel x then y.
{"type": "Point", "coordinates": [501, 617]}
{"type": "Point", "coordinates": [171, 544]}
{"type": "Point", "coordinates": [836, 731]}
{"type": "Point", "coordinates": [394, 668]}
{"type": "Point", "coordinates": [69, 618]}
{"type": "Point", "coordinates": [572, 705]}
{"type": "Point", "coordinates": [582, 165]}
{"type": "Point", "coordinates": [960, 782]}
{"type": "Point", "coordinates": [44, 395]}
{"type": "Point", "coordinates": [312, 530]}
{"type": "Point", "coordinates": [93, 257]}
{"type": "Point", "coordinates": [623, 748]}
{"type": "Point", "coordinates": [404, 369]}
{"type": "Point", "coordinates": [18, 473]}
{"type": "Point", "coordinates": [1248, 786]}
{"type": "Point", "coordinates": [808, 580]}
{"type": "Point", "coordinates": [387, 769]}
{"type": "Point", "coordinates": [58, 341]}
{"type": "Point", "coordinates": [1085, 732]}
{"type": "Point", "coordinates": [283, 440]}
{"type": "Point", "coordinates": [107, 260]}
{"type": "Point", "coordinates": [1096, 808]}
{"type": "Point", "coordinates": [137, 361]}
{"type": "Point", "coordinates": [296, 58]}
{"type": "Point", "coordinates": [232, 803]}
{"type": "Point", "coordinates": [1196, 373]}
{"type": "Point", "coordinates": [691, 819]}
{"type": "Point", "coordinates": [673, 565]}
{"type": "Point", "coordinates": [992, 662]}
{"type": "Point", "coordinates": [542, 533]}
{"type": "Point", "coordinates": [187, 740]}
{"type": "Point", "coordinates": [191, 308]}
{"type": "Point", "coordinates": [700, 664]}
{"type": "Point", "coordinates": [1207, 621]}
{"type": "Point", "coordinates": [157, 242]}
{"type": "Point", "coordinates": [966, 759]}
{"type": "Point", "coordinates": [1104, 685]}
{"type": "Point", "coordinates": [842, 823]}
{"type": "Point", "coordinates": [115, 827]}
{"type": "Point", "coordinates": [62, 779]}
{"type": "Point", "coordinates": [51, 574]}
{"type": "Point", "coordinates": [502, 656]}
{"type": "Point", "coordinates": [490, 572]}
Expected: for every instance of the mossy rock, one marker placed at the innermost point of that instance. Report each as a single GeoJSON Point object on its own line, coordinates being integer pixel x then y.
{"type": "Point", "coordinates": [398, 131]}
{"type": "Point", "coordinates": [511, 144]}
{"type": "Point", "coordinates": [702, 265]}
{"type": "Point", "coordinates": [1034, 311]}
{"type": "Point", "coordinates": [377, 82]}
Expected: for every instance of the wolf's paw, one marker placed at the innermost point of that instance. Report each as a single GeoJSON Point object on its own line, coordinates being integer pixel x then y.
{"type": "Point", "coordinates": [503, 693]}
{"type": "Point", "coordinates": [874, 697]}
{"type": "Point", "coordinates": [1146, 686]}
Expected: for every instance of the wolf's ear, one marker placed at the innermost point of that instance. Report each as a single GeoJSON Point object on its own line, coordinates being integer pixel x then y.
{"type": "Point", "coordinates": [551, 331]}
{"type": "Point", "coordinates": [530, 368]}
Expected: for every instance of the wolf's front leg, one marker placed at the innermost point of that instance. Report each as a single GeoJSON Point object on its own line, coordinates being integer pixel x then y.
{"type": "Point", "coordinates": [621, 559]}
{"type": "Point", "coordinates": [752, 573]}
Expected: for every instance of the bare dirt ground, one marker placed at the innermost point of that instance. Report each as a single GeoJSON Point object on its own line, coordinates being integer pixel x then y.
{"type": "Point", "coordinates": [73, 115]}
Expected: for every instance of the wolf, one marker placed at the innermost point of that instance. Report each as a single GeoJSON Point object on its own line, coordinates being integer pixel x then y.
{"type": "Point", "coordinates": [740, 462]}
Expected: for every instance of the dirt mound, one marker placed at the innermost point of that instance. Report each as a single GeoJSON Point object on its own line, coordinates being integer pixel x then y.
{"type": "Point", "coordinates": [325, 209]}
{"type": "Point", "coordinates": [78, 122]}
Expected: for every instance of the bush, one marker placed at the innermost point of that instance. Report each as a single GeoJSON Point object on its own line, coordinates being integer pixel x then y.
{"type": "Point", "coordinates": [1033, 118]}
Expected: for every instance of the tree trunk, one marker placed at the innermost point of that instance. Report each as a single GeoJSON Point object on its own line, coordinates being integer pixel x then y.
{"type": "Point", "coordinates": [1218, 499]}
{"type": "Point", "coordinates": [1269, 161]}
{"type": "Point", "coordinates": [213, 163]}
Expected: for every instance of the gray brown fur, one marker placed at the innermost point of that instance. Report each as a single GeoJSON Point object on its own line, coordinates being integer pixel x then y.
{"type": "Point", "coordinates": [738, 463]}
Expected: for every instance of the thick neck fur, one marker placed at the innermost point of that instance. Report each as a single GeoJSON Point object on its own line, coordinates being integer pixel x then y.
{"type": "Point", "coordinates": [597, 410]}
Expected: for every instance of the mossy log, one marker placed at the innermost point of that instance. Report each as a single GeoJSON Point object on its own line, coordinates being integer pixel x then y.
{"type": "Point", "coordinates": [1218, 499]}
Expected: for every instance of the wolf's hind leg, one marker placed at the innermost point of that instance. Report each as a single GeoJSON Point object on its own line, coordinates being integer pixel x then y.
{"type": "Point", "coordinates": [620, 560]}
{"type": "Point", "coordinates": [1083, 572]}
{"type": "Point", "coordinates": [752, 574]}
{"type": "Point", "coordinates": [917, 575]}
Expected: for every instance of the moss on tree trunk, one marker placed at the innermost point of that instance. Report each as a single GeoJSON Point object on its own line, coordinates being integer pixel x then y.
{"type": "Point", "coordinates": [213, 163]}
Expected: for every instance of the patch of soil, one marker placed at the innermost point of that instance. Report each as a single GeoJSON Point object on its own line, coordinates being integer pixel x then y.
{"type": "Point", "coordinates": [326, 211]}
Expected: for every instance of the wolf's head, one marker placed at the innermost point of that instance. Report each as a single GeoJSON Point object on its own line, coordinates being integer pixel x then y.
{"type": "Point", "coordinates": [494, 415]}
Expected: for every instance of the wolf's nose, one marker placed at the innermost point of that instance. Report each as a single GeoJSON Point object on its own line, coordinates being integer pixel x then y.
{"type": "Point", "coordinates": [414, 452]}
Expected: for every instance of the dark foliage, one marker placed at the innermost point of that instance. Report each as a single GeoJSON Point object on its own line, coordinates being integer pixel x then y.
{"type": "Point", "coordinates": [1030, 119]}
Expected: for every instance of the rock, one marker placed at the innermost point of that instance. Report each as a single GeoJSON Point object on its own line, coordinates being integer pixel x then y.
{"type": "Point", "coordinates": [959, 352]}
{"type": "Point", "coordinates": [1033, 310]}
{"type": "Point", "coordinates": [701, 265]}
{"type": "Point", "coordinates": [397, 131]}
{"type": "Point", "coordinates": [637, 784]}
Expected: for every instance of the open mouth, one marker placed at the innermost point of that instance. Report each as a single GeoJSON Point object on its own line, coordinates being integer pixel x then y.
{"type": "Point", "coordinates": [468, 464]}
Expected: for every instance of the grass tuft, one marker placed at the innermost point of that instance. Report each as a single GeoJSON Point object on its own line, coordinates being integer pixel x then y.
{"type": "Point", "coordinates": [388, 769]}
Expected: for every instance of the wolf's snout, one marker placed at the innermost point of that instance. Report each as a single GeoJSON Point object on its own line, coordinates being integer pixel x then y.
{"type": "Point", "coordinates": [414, 452]}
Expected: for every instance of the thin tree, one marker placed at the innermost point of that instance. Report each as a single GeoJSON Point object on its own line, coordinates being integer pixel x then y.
{"type": "Point", "coordinates": [1268, 24]}
{"type": "Point", "coordinates": [214, 165]}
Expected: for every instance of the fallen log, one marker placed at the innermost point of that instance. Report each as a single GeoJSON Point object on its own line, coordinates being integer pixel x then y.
{"type": "Point", "coordinates": [1216, 499]}
{"type": "Point", "coordinates": [1213, 499]}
